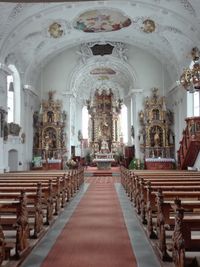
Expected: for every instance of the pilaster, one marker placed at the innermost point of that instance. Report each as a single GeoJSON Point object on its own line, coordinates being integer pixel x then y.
{"type": "Point", "coordinates": [136, 103]}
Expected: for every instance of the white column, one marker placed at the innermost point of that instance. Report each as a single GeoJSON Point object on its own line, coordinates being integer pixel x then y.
{"type": "Point", "coordinates": [68, 107]}
{"type": "Point", "coordinates": [29, 102]}
{"type": "Point", "coordinates": [4, 71]}
{"type": "Point", "coordinates": [136, 106]}
{"type": "Point", "coordinates": [129, 122]}
{"type": "Point", "coordinates": [2, 163]}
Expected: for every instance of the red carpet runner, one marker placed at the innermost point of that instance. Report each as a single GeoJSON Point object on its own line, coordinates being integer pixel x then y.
{"type": "Point", "coordinates": [96, 235]}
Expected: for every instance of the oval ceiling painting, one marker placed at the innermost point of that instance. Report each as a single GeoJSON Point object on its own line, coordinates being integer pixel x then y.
{"type": "Point", "coordinates": [101, 20]}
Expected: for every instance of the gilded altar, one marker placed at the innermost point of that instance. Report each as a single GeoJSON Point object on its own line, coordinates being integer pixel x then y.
{"type": "Point", "coordinates": [104, 125]}
{"type": "Point", "coordinates": [49, 135]}
{"type": "Point", "coordinates": [156, 135]}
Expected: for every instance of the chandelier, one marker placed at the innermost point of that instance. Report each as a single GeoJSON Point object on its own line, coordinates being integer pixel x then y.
{"type": "Point", "coordinates": [190, 78]}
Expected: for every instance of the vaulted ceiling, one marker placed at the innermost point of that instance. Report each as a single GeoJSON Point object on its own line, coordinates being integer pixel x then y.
{"type": "Point", "coordinates": [33, 33]}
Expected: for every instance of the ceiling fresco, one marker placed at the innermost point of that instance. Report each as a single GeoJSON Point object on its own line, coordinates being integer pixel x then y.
{"type": "Point", "coordinates": [101, 20]}
{"type": "Point", "coordinates": [33, 34]}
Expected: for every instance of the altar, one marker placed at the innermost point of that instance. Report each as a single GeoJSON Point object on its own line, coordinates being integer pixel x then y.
{"type": "Point", "coordinates": [159, 163]}
{"type": "Point", "coordinates": [103, 160]}
{"type": "Point", "coordinates": [53, 164]}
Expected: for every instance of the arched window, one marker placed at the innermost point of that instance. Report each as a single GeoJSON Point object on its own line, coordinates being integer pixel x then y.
{"type": "Point", "coordinates": [193, 104]}
{"type": "Point", "coordinates": [124, 123]}
{"type": "Point", "coordinates": [13, 95]}
{"type": "Point", "coordinates": [85, 120]}
{"type": "Point", "coordinates": [196, 99]}
{"type": "Point", "coordinates": [10, 98]}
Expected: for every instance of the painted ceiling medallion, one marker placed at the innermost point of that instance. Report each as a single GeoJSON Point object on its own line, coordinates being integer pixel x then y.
{"type": "Point", "coordinates": [101, 20]}
{"type": "Point", "coordinates": [55, 30]}
{"type": "Point", "coordinates": [148, 26]}
{"type": "Point", "coordinates": [102, 71]}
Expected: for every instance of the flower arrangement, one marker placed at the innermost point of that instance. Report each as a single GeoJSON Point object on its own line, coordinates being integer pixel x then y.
{"type": "Point", "coordinates": [71, 164]}
{"type": "Point", "coordinates": [136, 164]}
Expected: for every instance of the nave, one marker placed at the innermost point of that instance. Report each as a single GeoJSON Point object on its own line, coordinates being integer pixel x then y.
{"type": "Point", "coordinates": [99, 226]}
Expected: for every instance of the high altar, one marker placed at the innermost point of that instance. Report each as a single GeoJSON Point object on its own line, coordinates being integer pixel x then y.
{"type": "Point", "coordinates": [104, 125]}
{"type": "Point", "coordinates": [156, 135]}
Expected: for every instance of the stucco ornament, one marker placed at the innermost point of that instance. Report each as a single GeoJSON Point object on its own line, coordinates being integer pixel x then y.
{"type": "Point", "coordinates": [55, 30]}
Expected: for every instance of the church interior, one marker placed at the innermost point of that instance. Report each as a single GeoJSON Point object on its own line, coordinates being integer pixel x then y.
{"type": "Point", "coordinates": [100, 133]}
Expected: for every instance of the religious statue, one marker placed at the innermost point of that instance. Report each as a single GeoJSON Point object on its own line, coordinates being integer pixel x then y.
{"type": "Point", "coordinates": [156, 139]}
{"type": "Point", "coordinates": [104, 146]}
{"type": "Point", "coordinates": [50, 116]}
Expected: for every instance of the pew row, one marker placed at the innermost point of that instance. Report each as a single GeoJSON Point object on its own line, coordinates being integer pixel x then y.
{"type": "Point", "coordinates": [155, 196]}
{"type": "Point", "coordinates": [45, 196]}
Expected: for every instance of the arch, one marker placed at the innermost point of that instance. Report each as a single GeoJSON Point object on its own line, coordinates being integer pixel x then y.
{"type": "Point", "coordinates": [83, 83]}
{"type": "Point", "coordinates": [13, 160]}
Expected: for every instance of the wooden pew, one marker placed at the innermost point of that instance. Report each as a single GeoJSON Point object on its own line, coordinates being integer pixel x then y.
{"type": "Point", "coordinates": [146, 191]}
{"type": "Point", "coordinates": [53, 192]}
{"type": "Point", "coordinates": [165, 217]}
{"type": "Point", "coordinates": [19, 222]}
{"type": "Point", "coordinates": [182, 236]}
{"type": "Point", "coordinates": [34, 207]}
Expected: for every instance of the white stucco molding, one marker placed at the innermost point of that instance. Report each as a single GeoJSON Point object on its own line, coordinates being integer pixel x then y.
{"type": "Point", "coordinates": [5, 69]}
{"type": "Point", "coordinates": [30, 89]}
{"type": "Point", "coordinates": [83, 83]}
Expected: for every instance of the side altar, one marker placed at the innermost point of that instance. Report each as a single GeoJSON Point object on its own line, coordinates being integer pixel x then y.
{"type": "Point", "coordinates": [49, 138]}
{"type": "Point", "coordinates": [156, 133]}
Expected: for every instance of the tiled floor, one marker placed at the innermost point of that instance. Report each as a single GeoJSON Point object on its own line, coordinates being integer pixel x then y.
{"type": "Point", "coordinates": [141, 246]}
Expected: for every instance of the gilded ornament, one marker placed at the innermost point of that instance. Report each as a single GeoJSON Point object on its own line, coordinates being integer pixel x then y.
{"type": "Point", "coordinates": [55, 30]}
{"type": "Point", "coordinates": [148, 26]}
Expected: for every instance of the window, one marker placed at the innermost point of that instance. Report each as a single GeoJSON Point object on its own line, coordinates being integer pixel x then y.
{"type": "Point", "coordinates": [124, 124]}
{"type": "Point", "coordinates": [196, 97]}
{"type": "Point", "coordinates": [85, 119]}
{"type": "Point", "coordinates": [13, 95]}
{"type": "Point", "coordinates": [10, 98]}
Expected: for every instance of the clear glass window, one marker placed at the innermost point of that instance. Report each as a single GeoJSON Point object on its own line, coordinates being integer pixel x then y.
{"type": "Point", "coordinates": [10, 98]}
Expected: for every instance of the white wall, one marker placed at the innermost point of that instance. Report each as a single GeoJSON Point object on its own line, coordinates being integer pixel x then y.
{"type": "Point", "coordinates": [149, 71]}
{"type": "Point", "coordinates": [14, 143]}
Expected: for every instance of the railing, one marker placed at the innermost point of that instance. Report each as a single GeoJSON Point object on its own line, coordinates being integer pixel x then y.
{"type": "Point", "coordinates": [190, 143]}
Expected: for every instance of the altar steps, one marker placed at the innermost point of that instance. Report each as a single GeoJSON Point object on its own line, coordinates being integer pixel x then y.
{"type": "Point", "coordinates": [93, 171]}
{"type": "Point", "coordinates": [102, 173]}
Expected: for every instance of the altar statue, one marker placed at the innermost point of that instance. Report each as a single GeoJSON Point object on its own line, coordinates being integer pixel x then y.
{"type": "Point", "coordinates": [156, 139]}
{"type": "Point", "coordinates": [104, 146]}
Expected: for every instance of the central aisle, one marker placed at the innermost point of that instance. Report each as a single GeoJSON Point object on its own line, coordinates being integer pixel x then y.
{"type": "Point", "coordinates": [96, 234]}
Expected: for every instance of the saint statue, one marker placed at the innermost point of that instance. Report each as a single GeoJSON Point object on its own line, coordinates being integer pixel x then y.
{"type": "Point", "coordinates": [156, 139]}
{"type": "Point", "coordinates": [104, 146]}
